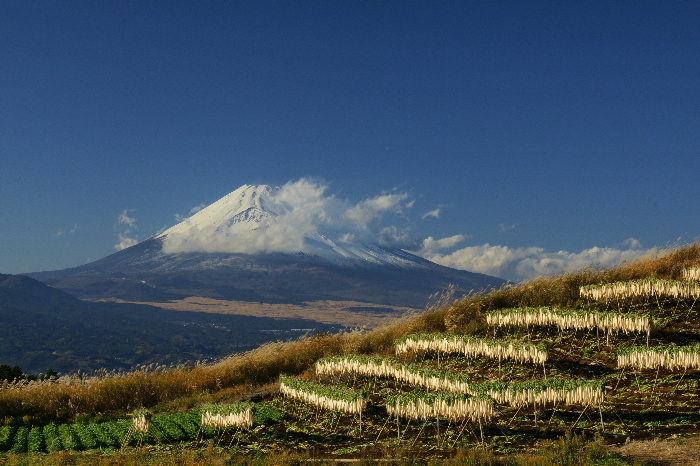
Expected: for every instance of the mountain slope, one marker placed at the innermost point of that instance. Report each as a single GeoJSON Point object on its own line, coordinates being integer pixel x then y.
{"type": "Point", "coordinates": [144, 273]}
{"type": "Point", "coordinates": [28, 295]}
{"type": "Point", "coordinates": [254, 244]}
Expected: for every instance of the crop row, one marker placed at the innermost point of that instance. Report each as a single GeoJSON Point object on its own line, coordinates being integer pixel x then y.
{"type": "Point", "coordinates": [432, 379]}
{"type": "Point", "coordinates": [569, 319]}
{"type": "Point", "coordinates": [691, 274]}
{"type": "Point", "coordinates": [229, 415]}
{"type": "Point", "coordinates": [471, 347]}
{"type": "Point", "coordinates": [529, 393]}
{"type": "Point", "coordinates": [651, 287]}
{"type": "Point", "coordinates": [143, 428]}
{"type": "Point", "coordinates": [450, 406]}
{"type": "Point", "coordinates": [327, 397]}
{"type": "Point", "coordinates": [668, 357]}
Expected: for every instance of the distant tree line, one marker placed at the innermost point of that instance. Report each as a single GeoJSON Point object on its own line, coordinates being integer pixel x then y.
{"type": "Point", "coordinates": [14, 374]}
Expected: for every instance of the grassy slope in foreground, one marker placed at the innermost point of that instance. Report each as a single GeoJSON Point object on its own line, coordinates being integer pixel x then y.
{"type": "Point", "coordinates": [639, 404]}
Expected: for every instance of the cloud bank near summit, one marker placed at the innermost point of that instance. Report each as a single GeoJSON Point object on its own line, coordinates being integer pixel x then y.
{"type": "Point", "coordinates": [303, 209]}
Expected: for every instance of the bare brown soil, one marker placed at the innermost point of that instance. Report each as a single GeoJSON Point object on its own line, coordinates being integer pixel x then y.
{"type": "Point", "coordinates": [345, 313]}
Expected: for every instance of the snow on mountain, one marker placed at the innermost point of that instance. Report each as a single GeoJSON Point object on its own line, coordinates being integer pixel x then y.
{"type": "Point", "coordinates": [261, 218]}
{"type": "Point", "coordinates": [249, 204]}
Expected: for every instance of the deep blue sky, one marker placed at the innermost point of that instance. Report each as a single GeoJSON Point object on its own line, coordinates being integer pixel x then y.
{"type": "Point", "coordinates": [557, 125]}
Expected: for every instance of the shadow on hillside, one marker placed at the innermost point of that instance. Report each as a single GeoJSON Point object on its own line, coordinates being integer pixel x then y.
{"type": "Point", "coordinates": [678, 338]}
{"type": "Point", "coordinates": [579, 369]}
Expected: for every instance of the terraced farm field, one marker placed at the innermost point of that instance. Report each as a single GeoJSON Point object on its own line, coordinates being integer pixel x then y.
{"type": "Point", "coordinates": [578, 357]}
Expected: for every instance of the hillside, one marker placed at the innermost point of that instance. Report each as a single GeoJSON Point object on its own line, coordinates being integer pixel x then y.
{"type": "Point", "coordinates": [610, 354]}
{"type": "Point", "coordinates": [42, 327]}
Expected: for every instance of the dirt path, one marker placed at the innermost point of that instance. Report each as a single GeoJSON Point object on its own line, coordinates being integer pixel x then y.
{"type": "Point", "coordinates": [682, 452]}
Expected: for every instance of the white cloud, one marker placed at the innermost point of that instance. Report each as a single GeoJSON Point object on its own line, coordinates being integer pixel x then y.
{"type": "Point", "coordinates": [433, 213]}
{"type": "Point", "coordinates": [180, 218]}
{"type": "Point", "coordinates": [125, 242]}
{"type": "Point", "coordinates": [62, 232]}
{"type": "Point", "coordinates": [303, 209]}
{"type": "Point", "coordinates": [632, 243]}
{"type": "Point", "coordinates": [197, 208]}
{"type": "Point", "coordinates": [395, 237]}
{"type": "Point", "coordinates": [504, 227]}
{"type": "Point", "coordinates": [430, 245]}
{"type": "Point", "coordinates": [126, 225]}
{"type": "Point", "coordinates": [523, 263]}
{"type": "Point", "coordinates": [370, 209]}
{"type": "Point", "coordinates": [124, 219]}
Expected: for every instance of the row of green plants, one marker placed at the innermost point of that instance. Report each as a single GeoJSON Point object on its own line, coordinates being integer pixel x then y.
{"type": "Point", "coordinates": [107, 435]}
{"type": "Point", "coordinates": [162, 429]}
{"type": "Point", "coordinates": [570, 450]}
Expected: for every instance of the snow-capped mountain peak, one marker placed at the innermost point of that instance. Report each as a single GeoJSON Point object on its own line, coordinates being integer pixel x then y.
{"type": "Point", "coordinates": [247, 204]}
{"type": "Point", "coordinates": [255, 219]}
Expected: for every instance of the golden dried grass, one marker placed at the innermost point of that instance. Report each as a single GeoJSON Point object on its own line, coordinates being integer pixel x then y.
{"type": "Point", "coordinates": [62, 399]}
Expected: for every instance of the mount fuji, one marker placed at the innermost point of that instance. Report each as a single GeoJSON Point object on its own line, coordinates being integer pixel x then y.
{"type": "Point", "coordinates": [267, 245]}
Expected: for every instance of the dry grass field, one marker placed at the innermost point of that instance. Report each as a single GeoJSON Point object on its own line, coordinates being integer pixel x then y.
{"type": "Point", "coordinates": [352, 314]}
